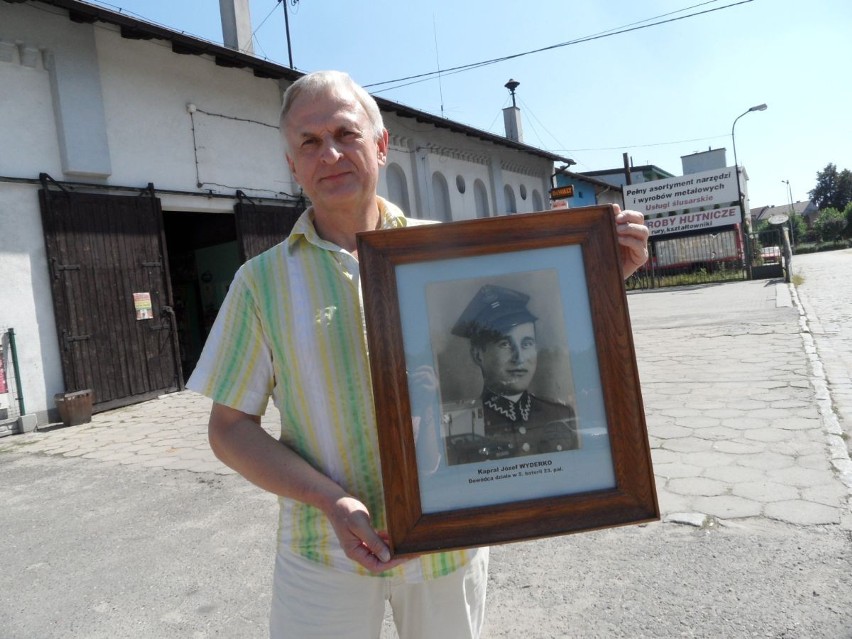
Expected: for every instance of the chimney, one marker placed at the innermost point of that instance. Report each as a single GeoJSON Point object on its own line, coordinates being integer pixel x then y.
{"type": "Point", "coordinates": [236, 25]}
{"type": "Point", "coordinates": [512, 115]}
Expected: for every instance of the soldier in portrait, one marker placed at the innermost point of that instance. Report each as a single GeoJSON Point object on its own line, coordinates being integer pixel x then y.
{"type": "Point", "coordinates": [502, 334]}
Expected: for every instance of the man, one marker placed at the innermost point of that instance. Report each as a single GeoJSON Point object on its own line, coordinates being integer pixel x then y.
{"type": "Point", "coordinates": [502, 335]}
{"type": "Point", "coordinates": [292, 327]}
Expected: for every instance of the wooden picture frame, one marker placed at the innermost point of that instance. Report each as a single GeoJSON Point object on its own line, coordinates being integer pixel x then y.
{"type": "Point", "coordinates": [449, 481]}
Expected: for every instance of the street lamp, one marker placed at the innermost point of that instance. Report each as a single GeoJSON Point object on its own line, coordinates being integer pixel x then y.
{"type": "Point", "coordinates": [759, 107]}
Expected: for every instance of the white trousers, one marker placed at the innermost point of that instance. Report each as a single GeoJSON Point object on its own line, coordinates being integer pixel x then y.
{"type": "Point", "coordinates": [310, 601]}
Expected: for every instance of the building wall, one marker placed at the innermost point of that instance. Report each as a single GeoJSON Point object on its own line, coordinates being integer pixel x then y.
{"type": "Point", "coordinates": [133, 126]}
{"type": "Point", "coordinates": [704, 161]}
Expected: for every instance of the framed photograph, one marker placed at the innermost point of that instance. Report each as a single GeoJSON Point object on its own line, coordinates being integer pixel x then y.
{"type": "Point", "coordinates": [505, 380]}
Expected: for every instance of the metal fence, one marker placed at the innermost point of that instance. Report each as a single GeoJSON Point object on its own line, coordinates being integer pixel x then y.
{"type": "Point", "coordinates": [694, 259]}
{"type": "Point", "coordinates": [712, 257]}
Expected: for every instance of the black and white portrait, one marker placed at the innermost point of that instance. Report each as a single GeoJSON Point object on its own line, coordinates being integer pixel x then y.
{"type": "Point", "coordinates": [503, 369]}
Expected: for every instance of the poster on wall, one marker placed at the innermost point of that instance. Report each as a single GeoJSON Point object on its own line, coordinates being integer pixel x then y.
{"type": "Point", "coordinates": [143, 306]}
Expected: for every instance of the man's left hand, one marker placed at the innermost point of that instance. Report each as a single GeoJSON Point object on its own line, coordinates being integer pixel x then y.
{"type": "Point", "coordinates": [633, 239]}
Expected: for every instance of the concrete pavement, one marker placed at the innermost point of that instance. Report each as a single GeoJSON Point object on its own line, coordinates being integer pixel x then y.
{"type": "Point", "coordinates": [735, 420]}
{"type": "Point", "coordinates": [128, 526]}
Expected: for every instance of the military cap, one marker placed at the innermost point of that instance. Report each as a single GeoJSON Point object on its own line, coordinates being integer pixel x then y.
{"type": "Point", "coordinates": [494, 309]}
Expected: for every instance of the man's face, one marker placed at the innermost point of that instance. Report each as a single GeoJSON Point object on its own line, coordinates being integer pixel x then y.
{"type": "Point", "coordinates": [508, 364]}
{"type": "Point", "coordinates": [332, 150]}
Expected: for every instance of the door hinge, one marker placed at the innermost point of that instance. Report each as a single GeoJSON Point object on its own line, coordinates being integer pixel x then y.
{"type": "Point", "coordinates": [68, 339]}
{"type": "Point", "coordinates": [58, 268]}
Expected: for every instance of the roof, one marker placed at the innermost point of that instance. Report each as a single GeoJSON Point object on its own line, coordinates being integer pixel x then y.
{"type": "Point", "coordinates": [135, 29]}
{"type": "Point", "coordinates": [587, 178]}
{"type": "Point", "coordinates": [763, 212]}
{"type": "Point", "coordinates": [644, 169]}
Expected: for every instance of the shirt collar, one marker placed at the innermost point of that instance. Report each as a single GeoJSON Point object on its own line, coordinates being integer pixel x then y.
{"type": "Point", "coordinates": [391, 218]}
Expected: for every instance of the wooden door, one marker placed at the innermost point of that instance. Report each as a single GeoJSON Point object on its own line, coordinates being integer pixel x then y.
{"type": "Point", "coordinates": [262, 226]}
{"type": "Point", "coordinates": [111, 295]}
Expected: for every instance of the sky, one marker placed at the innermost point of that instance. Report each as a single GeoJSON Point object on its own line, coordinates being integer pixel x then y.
{"type": "Point", "coordinates": [655, 91]}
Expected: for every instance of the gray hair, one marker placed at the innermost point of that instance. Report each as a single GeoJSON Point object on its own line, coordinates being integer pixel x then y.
{"type": "Point", "coordinates": [338, 83]}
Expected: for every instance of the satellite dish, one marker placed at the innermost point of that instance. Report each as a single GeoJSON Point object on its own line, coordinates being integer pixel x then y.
{"type": "Point", "coordinates": [778, 218]}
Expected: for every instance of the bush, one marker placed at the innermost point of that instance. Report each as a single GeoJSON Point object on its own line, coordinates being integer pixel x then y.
{"type": "Point", "coordinates": [830, 225]}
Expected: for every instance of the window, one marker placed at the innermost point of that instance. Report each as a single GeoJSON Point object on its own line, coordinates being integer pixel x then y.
{"type": "Point", "coordinates": [509, 194]}
{"type": "Point", "coordinates": [538, 203]}
{"type": "Point", "coordinates": [480, 197]}
{"type": "Point", "coordinates": [398, 188]}
{"type": "Point", "coordinates": [441, 198]}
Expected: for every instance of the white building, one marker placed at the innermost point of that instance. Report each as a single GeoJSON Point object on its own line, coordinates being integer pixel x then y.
{"type": "Point", "coordinates": [139, 166]}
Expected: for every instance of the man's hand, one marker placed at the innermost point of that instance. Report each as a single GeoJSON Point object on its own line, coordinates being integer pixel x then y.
{"type": "Point", "coordinates": [360, 542]}
{"type": "Point", "coordinates": [633, 239]}
{"type": "Point", "coordinates": [239, 441]}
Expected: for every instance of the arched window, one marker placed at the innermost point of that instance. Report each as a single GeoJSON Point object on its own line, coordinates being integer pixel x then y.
{"type": "Point", "coordinates": [398, 188]}
{"type": "Point", "coordinates": [480, 198]}
{"type": "Point", "coordinates": [441, 198]}
{"type": "Point", "coordinates": [509, 194]}
{"type": "Point", "coordinates": [538, 203]}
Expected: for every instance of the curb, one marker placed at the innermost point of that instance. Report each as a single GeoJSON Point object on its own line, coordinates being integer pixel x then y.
{"type": "Point", "coordinates": [838, 451]}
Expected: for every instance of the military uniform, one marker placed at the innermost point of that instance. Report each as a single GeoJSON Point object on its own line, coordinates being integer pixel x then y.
{"type": "Point", "coordinates": [531, 425]}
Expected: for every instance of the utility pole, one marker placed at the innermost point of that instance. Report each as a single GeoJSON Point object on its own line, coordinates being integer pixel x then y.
{"type": "Point", "coordinates": [287, 29]}
{"type": "Point", "coordinates": [792, 210]}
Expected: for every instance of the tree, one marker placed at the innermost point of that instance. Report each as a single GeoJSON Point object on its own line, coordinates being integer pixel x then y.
{"type": "Point", "coordinates": [830, 224]}
{"type": "Point", "coordinates": [848, 215]}
{"type": "Point", "coordinates": [833, 188]}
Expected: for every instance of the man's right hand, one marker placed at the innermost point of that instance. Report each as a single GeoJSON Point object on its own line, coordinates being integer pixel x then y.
{"type": "Point", "coordinates": [361, 543]}
{"type": "Point", "coordinates": [239, 441]}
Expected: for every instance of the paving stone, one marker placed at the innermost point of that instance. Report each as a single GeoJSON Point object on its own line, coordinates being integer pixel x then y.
{"type": "Point", "coordinates": [832, 494]}
{"type": "Point", "coordinates": [687, 445]}
{"type": "Point", "coordinates": [765, 491]}
{"type": "Point", "coordinates": [675, 470]}
{"type": "Point", "coordinates": [738, 447]}
{"type": "Point", "coordinates": [728, 506]}
{"type": "Point", "coordinates": [797, 476]}
{"type": "Point", "coordinates": [765, 461]}
{"type": "Point", "coordinates": [697, 486]}
{"type": "Point", "coordinates": [734, 475]}
{"type": "Point", "coordinates": [766, 435]}
{"type": "Point", "coordinates": [803, 513]}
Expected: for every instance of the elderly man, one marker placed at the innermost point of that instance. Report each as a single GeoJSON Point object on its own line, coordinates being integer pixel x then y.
{"type": "Point", "coordinates": [502, 335]}
{"type": "Point", "coordinates": [292, 327]}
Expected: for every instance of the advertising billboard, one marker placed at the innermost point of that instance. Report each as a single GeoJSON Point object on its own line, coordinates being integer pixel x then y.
{"type": "Point", "coordinates": [690, 202]}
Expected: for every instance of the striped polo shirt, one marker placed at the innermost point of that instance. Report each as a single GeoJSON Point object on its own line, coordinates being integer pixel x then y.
{"type": "Point", "coordinates": [292, 327]}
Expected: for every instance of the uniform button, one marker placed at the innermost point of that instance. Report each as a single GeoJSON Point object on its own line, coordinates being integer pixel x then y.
{"type": "Point", "coordinates": [526, 447]}
{"type": "Point", "coordinates": [522, 430]}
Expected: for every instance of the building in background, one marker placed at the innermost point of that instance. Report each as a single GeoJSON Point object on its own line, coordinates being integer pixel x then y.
{"type": "Point", "coordinates": [148, 165]}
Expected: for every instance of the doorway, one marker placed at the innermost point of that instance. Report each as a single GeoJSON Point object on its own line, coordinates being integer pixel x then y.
{"type": "Point", "coordinates": [203, 258]}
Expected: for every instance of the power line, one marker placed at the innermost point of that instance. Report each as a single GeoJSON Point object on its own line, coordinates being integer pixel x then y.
{"type": "Point", "coordinates": [422, 77]}
{"type": "Point", "coordinates": [640, 146]}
